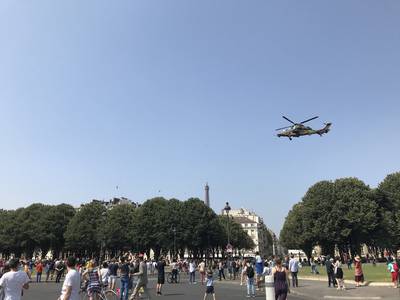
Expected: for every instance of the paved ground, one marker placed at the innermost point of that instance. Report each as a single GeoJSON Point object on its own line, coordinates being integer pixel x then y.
{"type": "Point", "coordinates": [308, 290]}
{"type": "Point", "coordinates": [181, 291]}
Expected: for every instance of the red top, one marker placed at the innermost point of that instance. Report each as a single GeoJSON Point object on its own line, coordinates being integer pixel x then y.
{"type": "Point", "coordinates": [39, 268]}
{"type": "Point", "coordinates": [358, 268]}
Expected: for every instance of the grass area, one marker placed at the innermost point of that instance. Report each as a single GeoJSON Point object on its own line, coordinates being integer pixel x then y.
{"type": "Point", "coordinates": [371, 273]}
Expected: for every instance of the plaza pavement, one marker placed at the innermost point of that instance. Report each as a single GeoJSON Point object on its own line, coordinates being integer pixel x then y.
{"type": "Point", "coordinates": [181, 291]}
{"type": "Point", "coordinates": [231, 290]}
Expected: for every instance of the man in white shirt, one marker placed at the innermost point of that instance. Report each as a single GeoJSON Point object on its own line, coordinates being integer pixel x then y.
{"type": "Point", "coordinates": [14, 281]}
{"type": "Point", "coordinates": [192, 272]}
{"type": "Point", "coordinates": [72, 282]}
{"type": "Point", "coordinates": [294, 269]}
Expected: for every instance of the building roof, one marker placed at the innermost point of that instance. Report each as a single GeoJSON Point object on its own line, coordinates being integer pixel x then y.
{"type": "Point", "coordinates": [243, 220]}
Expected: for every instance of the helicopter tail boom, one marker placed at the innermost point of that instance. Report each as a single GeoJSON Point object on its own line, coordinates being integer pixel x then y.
{"type": "Point", "coordinates": [326, 129]}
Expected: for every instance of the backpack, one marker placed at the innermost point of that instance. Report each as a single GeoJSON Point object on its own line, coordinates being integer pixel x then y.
{"type": "Point", "coordinates": [250, 272]}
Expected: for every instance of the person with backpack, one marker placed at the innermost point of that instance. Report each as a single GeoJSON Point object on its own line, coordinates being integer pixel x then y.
{"type": "Point", "coordinates": [393, 268]}
{"type": "Point", "coordinates": [250, 280]}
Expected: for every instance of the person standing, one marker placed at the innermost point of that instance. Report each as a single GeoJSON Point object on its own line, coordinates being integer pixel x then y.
{"type": "Point", "coordinates": [39, 270]}
{"type": "Point", "coordinates": [59, 270]}
{"type": "Point", "coordinates": [192, 272]}
{"type": "Point", "coordinates": [243, 271]}
{"type": "Point", "coordinates": [221, 270]}
{"type": "Point", "coordinates": [94, 278]}
{"type": "Point", "coordinates": [104, 274]}
{"type": "Point", "coordinates": [52, 269]}
{"type": "Point", "coordinates": [175, 270]}
{"type": "Point", "coordinates": [202, 271]}
{"type": "Point", "coordinates": [210, 285]}
{"type": "Point", "coordinates": [358, 271]}
{"type": "Point", "coordinates": [393, 269]}
{"type": "Point", "coordinates": [112, 273]}
{"type": "Point", "coordinates": [124, 273]}
{"type": "Point", "coordinates": [330, 271]}
{"type": "Point", "coordinates": [14, 281]}
{"type": "Point", "coordinates": [294, 269]}
{"type": "Point", "coordinates": [235, 269]}
{"type": "Point", "coordinates": [160, 274]}
{"type": "Point", "coordinates": [72, 282]}
{"type": "Point", "coordinates": [339, 274]}
{"type": "Point", "coordinates": [250, 280]}
{"type": "Point", "coordinates": [280, 274]}
{"type": "Point", "coordinates": [142, 280]}
{"type": "Point", "coordinates": [259, 270]}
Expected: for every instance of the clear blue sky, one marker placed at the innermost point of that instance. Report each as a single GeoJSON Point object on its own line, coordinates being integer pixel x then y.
{"type": "Point", "coordinates": [169, 95]}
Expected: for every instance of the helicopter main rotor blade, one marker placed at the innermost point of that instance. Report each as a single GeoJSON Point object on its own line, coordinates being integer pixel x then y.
{"type": "Point", "coordinates": [308, 120]}
{"type": "Point", "coordinates": [283, 128]}
{"type": "Point", "coordinates": [289, 120]}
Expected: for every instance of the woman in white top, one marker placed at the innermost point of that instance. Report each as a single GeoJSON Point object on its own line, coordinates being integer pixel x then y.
{"type": "Point", "coordinates": [104, 273]}
{"type": "Point", "coordinates": [339, 274]}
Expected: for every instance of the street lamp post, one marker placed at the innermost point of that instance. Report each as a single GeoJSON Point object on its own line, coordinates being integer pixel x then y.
{"type": "Point", "coordinates": [174, 231]}
{"type": "Point", "coordinates": [227, 209]}
{"type": "Point", "coordinates": [273, 244]}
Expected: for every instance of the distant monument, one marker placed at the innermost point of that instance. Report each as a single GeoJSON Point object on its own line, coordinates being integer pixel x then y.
{"type": "Point", "coordinates": [207, 198]}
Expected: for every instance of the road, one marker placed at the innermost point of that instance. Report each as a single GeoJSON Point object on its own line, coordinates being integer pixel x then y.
{"type": "Point", "coordinates": [308, 290]}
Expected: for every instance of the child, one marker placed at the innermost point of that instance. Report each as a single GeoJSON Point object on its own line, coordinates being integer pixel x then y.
{"type": "Point", "coordinates": [210, 285]}
{"type": "Point", "coordinates": [393, 269]}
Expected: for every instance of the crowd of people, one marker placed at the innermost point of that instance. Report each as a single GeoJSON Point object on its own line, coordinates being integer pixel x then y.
{"type": "Point", "coordinates": [127, 275]}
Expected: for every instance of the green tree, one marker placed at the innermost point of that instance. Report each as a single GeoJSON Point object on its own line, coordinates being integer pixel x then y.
{"type": "Point", "coordinates": [33, 229]}
{"type": "Point", "coordinates": [201, 227]}
{"type": "Point", "coordinates": [342, 213]}
{"type": "Point", "coordinates": [150, 230]}
{"type": "Point", "coordinates": [84, 234]}
{"type": "Point", "coordinates": [387, 197]}
{"type": "Point", "coordinates": [119, 228]}
{"type": "Point", "coordinates": [295, 233]}
{"type": "Point", "coordinates": [56, 219]}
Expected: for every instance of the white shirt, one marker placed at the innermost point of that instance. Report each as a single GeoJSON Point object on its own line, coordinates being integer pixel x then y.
{"type": "Point", "coordinates": [12, 282]}
{"type": "Point", "coordinates": [258, 259]}
{"type": "Point", "coordinates": [72, 279]}
{"type": "Point", "coordinates": [192, 267]}
{"type": "Point", "coordinates": [104, 275]}
{"type": "Point", "coordinates": [293, 265]}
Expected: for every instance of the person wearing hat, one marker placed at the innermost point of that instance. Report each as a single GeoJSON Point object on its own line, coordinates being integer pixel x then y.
{"type": "Point", "coordinates": [358, 271]}
{"type": "Point", "coordinates": [14, 281]}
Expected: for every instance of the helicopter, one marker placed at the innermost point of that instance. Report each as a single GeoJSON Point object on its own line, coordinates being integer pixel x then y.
{"type": "Point", "coordinates": [299, 129]}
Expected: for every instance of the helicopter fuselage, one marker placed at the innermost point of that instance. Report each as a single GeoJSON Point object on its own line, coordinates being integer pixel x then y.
{"type": "Point", "coordinates": [297, 131]}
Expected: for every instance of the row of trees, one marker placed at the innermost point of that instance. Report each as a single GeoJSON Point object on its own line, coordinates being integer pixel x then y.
{"type": "Point", "coordinates": [158, 224]}
{"type": "Point", "coordinates": [345, 214]}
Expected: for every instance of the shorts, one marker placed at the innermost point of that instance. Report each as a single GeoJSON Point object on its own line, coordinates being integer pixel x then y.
{"type": "Point", "coordinates": [112, 279]}
{"type": "Point", "coordinates": [210, 290]}
{"type": "Point", "coordinates": [161, 279]}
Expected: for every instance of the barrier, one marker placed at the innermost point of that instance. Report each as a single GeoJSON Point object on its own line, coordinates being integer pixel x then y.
{"type": "Point", "coordinates": [269, 287]}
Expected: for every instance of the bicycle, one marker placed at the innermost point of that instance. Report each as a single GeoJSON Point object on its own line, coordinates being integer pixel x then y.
{"type": "Point", "coordinates": [170, 278]}
{"type": "Point", "coordinates": [104, 294]}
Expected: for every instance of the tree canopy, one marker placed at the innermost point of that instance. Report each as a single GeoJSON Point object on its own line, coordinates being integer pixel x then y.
{"type": "Point", "coordinates": [343, 214]}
